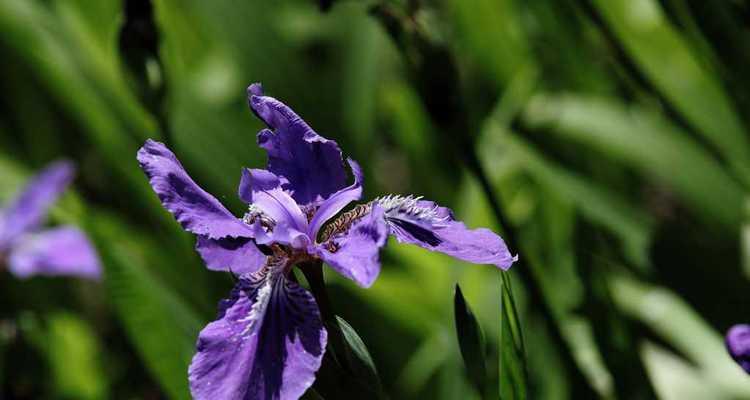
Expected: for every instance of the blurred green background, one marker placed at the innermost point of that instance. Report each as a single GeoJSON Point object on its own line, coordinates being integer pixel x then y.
{"type": "Point", "coordinates": [614, 134]}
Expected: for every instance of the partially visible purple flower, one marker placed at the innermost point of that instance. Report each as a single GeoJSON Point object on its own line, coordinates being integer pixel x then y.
{"type": "Point", "coordinates": [268, 340]}
{"type": "Point", "coordinates": [29, 251]}
{"type": "Point", "coordinates": [738, 345]}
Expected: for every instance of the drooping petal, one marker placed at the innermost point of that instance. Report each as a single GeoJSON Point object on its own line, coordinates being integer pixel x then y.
{"type": "Point", "coordinates": [196, 210]}
{"type": "Point", "coordinates": [263, 189]}
{"type": "Point", "coordinates": [332, 205]}
{"type": "Point", "coordinates": [267, 342]}
{"type": "Point", "coordinates": [60, 251]}
{"type": "Point", "coordinates": [354, 253]}
{"type": "Point", "coordinates": [236, 255]}
{"type": "Point", "coordinates": [28, 209]}
{"type": "Point", "coordinates": [433, 227]}
{"type": "Point", "coordinates": [738, 345]}
{"type": "Point", "coordinates": [312, 165]}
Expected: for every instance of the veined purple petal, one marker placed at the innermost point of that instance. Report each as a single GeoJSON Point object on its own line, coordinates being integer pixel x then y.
{"type": "Point", "coordinates": [196, 210]}
{"type": "Point", "coordinates": [332, 205]}
{"type": "Point", "coordinates": [267, 342]}
{"type": "Point", "coordinates": [311, 164]}
{"type": "Point", "coordinates": [355, 252]}
{"type": "Point", "coordinates": [738, 345]}
{"type": "Point", "coordinates": [28, 209]}
{"type": "Point", "coordinates": [432, 227]}
{"type": "Point", "coordinates": [60, 251]}
{"type": "Point", "coordinates": [263, 189]}
{"type": "Point", "coordinates": [236, 255]}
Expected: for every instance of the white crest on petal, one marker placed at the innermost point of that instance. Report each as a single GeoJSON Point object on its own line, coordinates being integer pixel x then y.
{"type": "Point", "coordinates": [397, 206]}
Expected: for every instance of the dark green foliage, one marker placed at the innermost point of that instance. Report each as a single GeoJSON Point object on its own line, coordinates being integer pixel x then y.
{"type": "Point", "coordinates": [470, 341]}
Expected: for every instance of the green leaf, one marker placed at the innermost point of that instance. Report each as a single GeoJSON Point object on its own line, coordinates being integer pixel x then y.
{"type": "Point", "coordinates": [470, 341]}
{"type": "Point", "coordinates": [160, 325]}
{"type": "Point", "coordinates": [513, 371]}
{"type": "Point", "coordinates": [648, 143]}
{"type": "Point", "coordinates": [665, 58]}
{"type": "Point", "coordinates": [672, 319]}
{"type": "Point", "coordinates": [73, 352]}
{"type": "Point", "coordinates": [360, 362]}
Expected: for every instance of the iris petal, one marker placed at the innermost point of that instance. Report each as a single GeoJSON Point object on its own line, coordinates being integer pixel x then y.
{"type": "Point", "coordinates": [432, 227]}
{"type": "Point", "coordinates": [27, 210]}
{"type": "Point", "coordinates": [62, 251]}
{"type": "Point", "coordinates": [196, 210]}
{"type": "Point", "coordinates": [738, 345]}
{"type": "Point", "coordinates": [311, 164]}
{"type": "Point", "coordinates": [332, 205]}
{"type": "Point", "coordinates": [235, 255]}
{"type": "Point", "coordinates": [263, 189]}
{"type": "Point", "coordinates": [267, 342]}
{"type": "Point", "coordinates": [354, 253]}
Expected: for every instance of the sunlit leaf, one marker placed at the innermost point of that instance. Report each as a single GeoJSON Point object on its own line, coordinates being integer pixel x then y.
{"type": "Point", "coordinates": [513, 370]}
{"type": "Point", "coordinates": [669, 63]}
{"type": "Point", "coordinates": [74, 355]}
{"type": "Point", "coordinates": [645, 142]}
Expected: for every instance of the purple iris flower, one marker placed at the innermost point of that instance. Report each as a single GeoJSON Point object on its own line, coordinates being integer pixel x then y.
{"type": "Point", "coordinates": [29, 251]}
{"type": "Point", "coordinates": [268, 339]}
{"type": "Point", "coordinates": [738, 345]}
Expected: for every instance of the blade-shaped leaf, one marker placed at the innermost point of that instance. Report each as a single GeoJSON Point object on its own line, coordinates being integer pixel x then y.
{"type": "Point", "coordinates": [470, 341]}
{"type": "Point", "coordinates": [648, 143]}
{"type": "Point", "coordinates": [669, 63]}
{"type": "Point", "coordinates": [513, 372]}
{"type": "Point", "coordinates": [160, 325]}
{"type": "Point", "coordinates": [359, 359]}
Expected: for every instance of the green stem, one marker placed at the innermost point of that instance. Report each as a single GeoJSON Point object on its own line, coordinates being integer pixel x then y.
{"type": "Point", "coordinates": [313, 272]}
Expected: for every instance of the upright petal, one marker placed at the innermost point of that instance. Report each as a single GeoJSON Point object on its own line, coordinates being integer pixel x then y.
{"type": "Point", "coordinates": [266, 344]}
{"type": "Point", "coordinates": [61, 251]}
{"type": "Point", "coordinates": [236, 255]}
{"type": "Point", "coordinates": [312, 165]}
{"type": "Point", "coordinates": [332, 205]}
{"type": "Point", "coordinates": [196, 210]}
{"type": "Point", "coordinates": [28, 209]}
{"type": "Point", "coordinates": [432, 227]}
{"type": "Point", "coordinates": [263, 189]}
{"type": "Point", "coordinates": [354, 252]}
{"type": "Point", "coordinates": [738, 345]}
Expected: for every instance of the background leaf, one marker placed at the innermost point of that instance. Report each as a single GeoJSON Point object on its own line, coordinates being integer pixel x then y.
{"type": "Point", "coordinates": [470, 341]}
{"type": "Point", "coordinates": [513, 372]}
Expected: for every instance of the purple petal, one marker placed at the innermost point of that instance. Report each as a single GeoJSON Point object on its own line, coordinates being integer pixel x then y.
{"type": "Point", "coordinates": [263, 189]}
{"type": "Point", "coordinates": [311, 164]}
{"type": "Point", "coordinates": [28, 209]}
{"type": "Point", "coordinates": [332, 205]}
{"type": "Point", "coordinates": [267, 343]}
{"type": "Point", "coordinates": [281, 234]}
{"type": "Point", "coordinates": [432, 227]}
{"type": "Point", "coordinates": [354, 253]}
{"type": "Point", "coordinates": [738, 345]}
{"type": "Point", "coordinates": [60, 251]}
{"type": "Point", "coordinates": [196, 210]}
{"type": "Point", "coordinates": [235, 255]}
